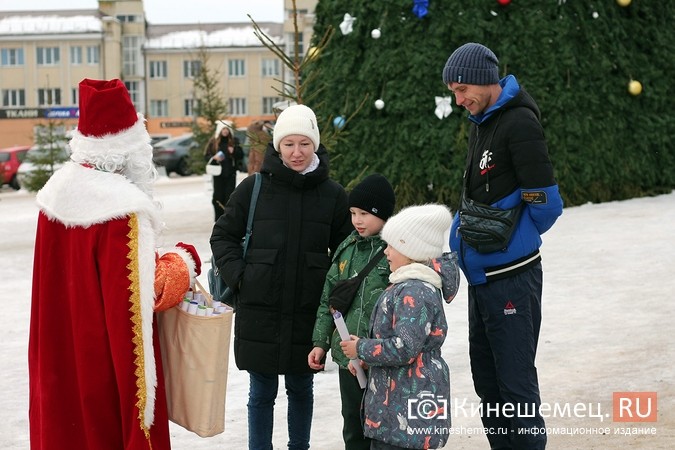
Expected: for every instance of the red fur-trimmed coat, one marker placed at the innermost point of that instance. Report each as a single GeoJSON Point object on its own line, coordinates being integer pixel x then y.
{"type": "Point", "coordinates": [96, 379]}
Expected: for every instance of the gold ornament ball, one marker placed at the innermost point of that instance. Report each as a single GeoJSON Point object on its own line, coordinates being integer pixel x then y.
{"type": "Point", "coordinates": [312, 52]}
{"type": "Point", "coordinates": [635, 87]}
{"type": "Point", "coordinates": [623, 3]}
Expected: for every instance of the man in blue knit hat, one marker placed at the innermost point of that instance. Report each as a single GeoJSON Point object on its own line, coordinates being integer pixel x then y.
{"type": "Point", "coordinates": [509, 199]}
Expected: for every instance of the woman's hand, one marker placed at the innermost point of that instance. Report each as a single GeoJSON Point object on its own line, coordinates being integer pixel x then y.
{"type": "Point", "coordinates": [315, 358]}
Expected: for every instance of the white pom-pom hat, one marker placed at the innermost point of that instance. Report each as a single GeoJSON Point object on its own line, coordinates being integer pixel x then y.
{"type": "Point", "coordinates": [418, 232]}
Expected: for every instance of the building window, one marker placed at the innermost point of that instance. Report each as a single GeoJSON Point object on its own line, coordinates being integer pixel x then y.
{"type": "Point", "coordinates": [134, 94]}
{"type": "Point", "coordinates": [270, 67]}
{"type": "Point", "coordinates": [11, 57]}
{"type": "Point", "coordinates": [76, 55]}
{"type": "Point", "coordinates": [268, 104]}
{"type": "Point", "coordinates": [300, 12]}
{"type": "Point", "coordinates": [191, 68]}
{"type": "Point", "coordinates": [93, 54]}
{"type": "Point", "coordinates": [158, 69]}
{"type": "Point", "coordinates": [237, 106]}
{"type": "Point", "coordinates": [290, 46]}
{"type": "Point", "coordinates": [237, 68]}
{"type": "Point", "coordinates": [75, 96]}
{"type": "Point", "coordinates": [131, 55]}
{"type": "Point", "coordinates": [13, 98]}
{"type": "Point", "coordinates": [49, 97]}
{"type": "Point", "coordinates": [48, 56]}
{"type": "Point", "coordinates": [128, 18]}
{"type": "Point", "coordinates": [159, 108]}
{"type": "Point", "coordinates": [190, 107]}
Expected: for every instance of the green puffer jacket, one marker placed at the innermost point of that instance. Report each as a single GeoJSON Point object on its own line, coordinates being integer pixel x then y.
{"type": "Point", "coordinates": [351, 256]}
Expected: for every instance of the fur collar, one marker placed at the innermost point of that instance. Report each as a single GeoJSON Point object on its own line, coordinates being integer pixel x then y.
{"type": "Point", "coordinates": [79, 196]}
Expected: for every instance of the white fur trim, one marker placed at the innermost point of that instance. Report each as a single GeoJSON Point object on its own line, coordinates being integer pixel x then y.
{"type": "Point", "coordinates": [79, 196]}
{"type": "Point", "coordinates": [146, 270]}
{"type": "Point", "coordinates": [106, 147]}
{"type": "Point", "coordinates": [416, 271]}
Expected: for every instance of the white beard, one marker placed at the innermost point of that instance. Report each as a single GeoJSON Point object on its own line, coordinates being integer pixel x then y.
{"type": "Point", "coordinates": [128, 153]}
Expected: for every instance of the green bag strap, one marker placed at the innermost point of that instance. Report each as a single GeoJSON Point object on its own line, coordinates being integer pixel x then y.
{"type": "Point", "coordinates": [372, 263]}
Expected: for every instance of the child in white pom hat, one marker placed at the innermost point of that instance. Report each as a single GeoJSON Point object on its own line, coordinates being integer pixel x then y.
{"type": "Point", "coordinates": [407, 398]}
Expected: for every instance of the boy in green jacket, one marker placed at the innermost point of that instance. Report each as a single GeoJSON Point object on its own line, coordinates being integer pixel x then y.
{"type": "Point", "coordinates": [371, 203]}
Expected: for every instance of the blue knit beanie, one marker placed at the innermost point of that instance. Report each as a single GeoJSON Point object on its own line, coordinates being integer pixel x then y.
{"type": "Point", "coordinates": [472, 64]}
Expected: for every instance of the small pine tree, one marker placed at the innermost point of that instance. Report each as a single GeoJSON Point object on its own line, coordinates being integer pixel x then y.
{"type": "Point", "coordinates": [50, 152]}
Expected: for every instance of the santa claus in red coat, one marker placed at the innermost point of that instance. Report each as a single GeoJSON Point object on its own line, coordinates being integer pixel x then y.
{"type": "Point", "coordinates": [95, 372]}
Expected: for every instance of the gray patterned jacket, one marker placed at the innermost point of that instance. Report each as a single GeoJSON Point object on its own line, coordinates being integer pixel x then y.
{"type": "Point", "coordinates": [408, 395]}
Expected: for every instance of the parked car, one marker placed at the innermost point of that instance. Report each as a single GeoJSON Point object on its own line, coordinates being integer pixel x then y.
{"type": "Point", "coordinates": [10, 160]}
{"type": "Point", "coordinates": [45, 159]}
{"type": "Point", "coordinates": [174, 154]}
{"type": "Point", "coordinates": [158, 137]}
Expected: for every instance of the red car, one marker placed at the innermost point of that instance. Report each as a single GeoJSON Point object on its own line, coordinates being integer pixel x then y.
{"type": "Point", "coordinates": [10, 159]}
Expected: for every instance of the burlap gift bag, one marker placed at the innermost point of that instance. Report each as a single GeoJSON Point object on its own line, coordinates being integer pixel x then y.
{"type": "Point", "coordinates": [195, 353]}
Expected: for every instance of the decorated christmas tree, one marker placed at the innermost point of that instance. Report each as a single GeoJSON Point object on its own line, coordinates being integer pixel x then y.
{"type": "Point", "coordinates": [601, 73]}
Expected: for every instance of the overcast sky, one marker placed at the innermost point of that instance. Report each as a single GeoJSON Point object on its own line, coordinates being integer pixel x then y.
{"type": "Point", "coordinates": [173, 11]}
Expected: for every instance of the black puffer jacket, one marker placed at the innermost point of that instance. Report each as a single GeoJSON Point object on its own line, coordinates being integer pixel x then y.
{"type": "Point", "coordinates": [298, 218]}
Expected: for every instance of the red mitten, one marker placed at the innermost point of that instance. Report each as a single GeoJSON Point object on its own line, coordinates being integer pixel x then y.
{"type": "Point", "coordinates": [193, 253]}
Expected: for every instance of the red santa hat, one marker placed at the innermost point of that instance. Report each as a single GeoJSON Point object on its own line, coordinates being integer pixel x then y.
{"type": "Point", "coordinates": [109, 124]}
{"type": "Point", "coordinates": [105, 108]}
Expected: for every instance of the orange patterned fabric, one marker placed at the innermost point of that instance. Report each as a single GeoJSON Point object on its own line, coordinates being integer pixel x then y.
{"type": "Point", "coordinates": [172, 281]}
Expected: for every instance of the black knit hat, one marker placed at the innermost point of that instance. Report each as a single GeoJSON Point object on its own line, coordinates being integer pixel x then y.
{"type": "Point", "coordinates": [472, 64]}
{"type": "Point", "coordinates": [375, 195]}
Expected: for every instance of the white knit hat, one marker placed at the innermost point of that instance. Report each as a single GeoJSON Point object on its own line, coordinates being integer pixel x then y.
{"type": "Point", "coordinates": [296, 119]}
{"type": "Point", "coordinates": [418, 232]}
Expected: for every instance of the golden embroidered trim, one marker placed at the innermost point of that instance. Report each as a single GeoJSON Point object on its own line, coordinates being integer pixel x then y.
{"type": "Point", "coordinates": [137, 321]}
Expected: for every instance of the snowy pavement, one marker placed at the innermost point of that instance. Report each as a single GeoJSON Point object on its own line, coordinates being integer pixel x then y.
{"type": "Point", "coordinates": [609, 279]}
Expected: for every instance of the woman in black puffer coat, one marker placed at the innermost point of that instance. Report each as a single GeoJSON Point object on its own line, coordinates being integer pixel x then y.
{"type": "Point", "coordinates": [301, 215]}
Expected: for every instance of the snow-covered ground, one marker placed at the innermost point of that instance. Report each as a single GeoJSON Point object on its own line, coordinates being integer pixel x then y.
{"type": "Point", "coordinates": [609, 304]}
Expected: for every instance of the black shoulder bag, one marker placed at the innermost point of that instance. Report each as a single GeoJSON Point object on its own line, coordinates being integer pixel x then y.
{"type": "Point", "coordinates": [484, 228]}
{"type": "Point", "coordinates": [344, 291]}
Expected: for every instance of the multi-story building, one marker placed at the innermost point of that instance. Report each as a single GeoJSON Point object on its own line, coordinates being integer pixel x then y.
{"type": "Point", "coordinates": [44, 55]}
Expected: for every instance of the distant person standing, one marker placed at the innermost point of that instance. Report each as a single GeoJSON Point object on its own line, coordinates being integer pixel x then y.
{"type": "Point", "coordinates": [226, 150]}
{"type": "Point", "coordinates": [95, 371]}
{"type": "Point", "coordinates": [258, 136]}
{"type": "Point", "coordinates": [508, 174]}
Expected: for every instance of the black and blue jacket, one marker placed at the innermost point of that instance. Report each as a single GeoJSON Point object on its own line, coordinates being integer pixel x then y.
{"type": "Point", "coordinates": [508, 163]}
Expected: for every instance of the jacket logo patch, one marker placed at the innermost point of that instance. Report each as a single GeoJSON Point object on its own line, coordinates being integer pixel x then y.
{"type": "Point", "coordinates": [534, 197]}
{"type": "Point", "coordinates": [485, 165]}
{"type": "Point", "coordinates": [509, 308]}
